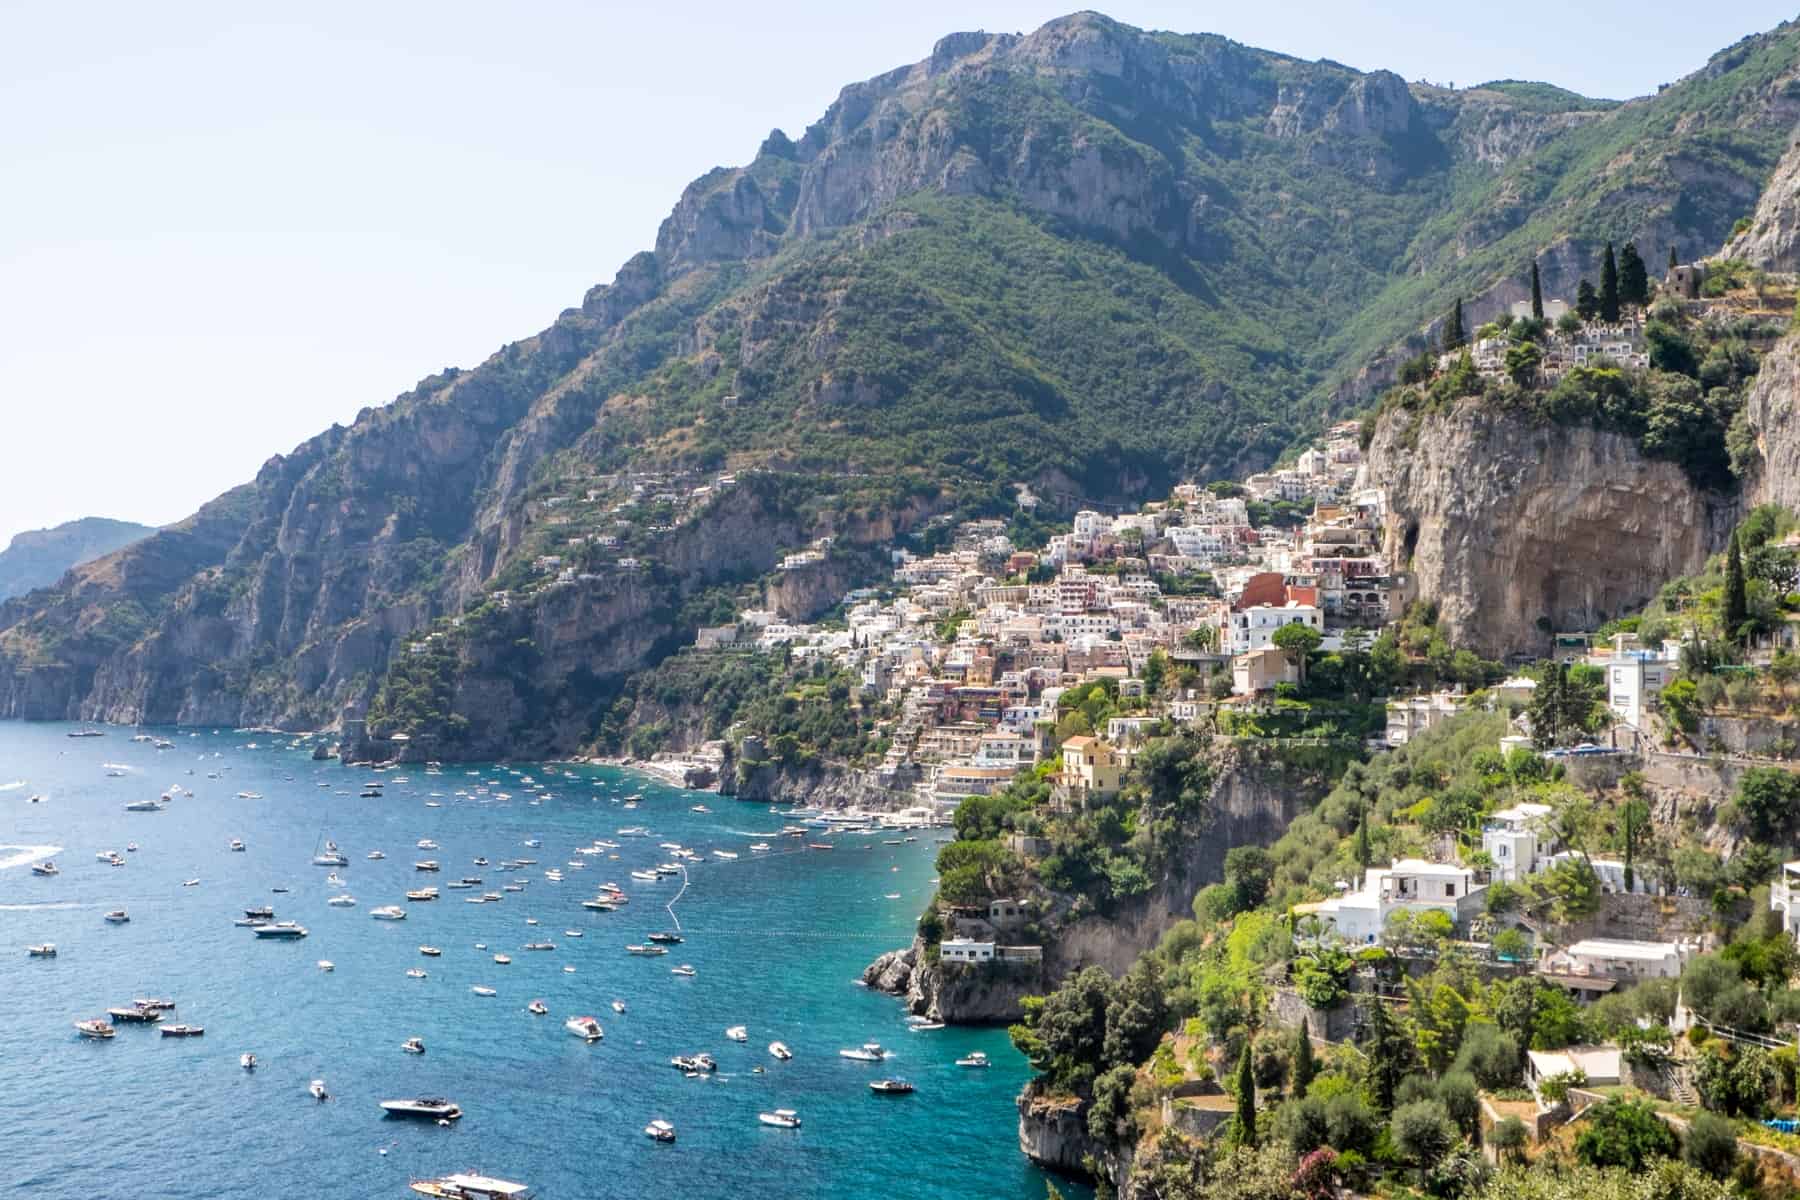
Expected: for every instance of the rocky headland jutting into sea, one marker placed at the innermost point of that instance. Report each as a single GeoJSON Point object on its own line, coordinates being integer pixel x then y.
{"type": "Point", "coordinates": [1325, 544]}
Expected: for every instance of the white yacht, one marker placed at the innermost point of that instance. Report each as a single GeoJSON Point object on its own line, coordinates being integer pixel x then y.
{"type": "Point", "coordinates": [388, 912]}
{"type": "Point", "coordinates": [429, 893]}
{"type": "Point", "coordinates": [415, 973]}
{"type": "Point", "coordinates": [247, 1061]}
{"type": "Point", "coordinates": [537, 1008]}
{"type": "Point", "coordinates": [465, 1186]}
{"type": "Point", "coordinates": [47, 867]}
{"type": "Point", "coordinates": [279, 930]}
{"type": "Point", "coordinates": [344, 900]}
{"type": "Point", "coordinates": [413, 1045]}
{"type": "Point", "coordinates": [586, 1028]}
{"type": "Point", "coordinates": [375, 856]}
{"type": "Point", "coordinates": [96, 1029]}
{"type": "Point", "coordinates": [331, 856]}
{"type": "Point", "coordinates": [660, 1130]}
{"type": "Point", "coordinates": [117, 916]}
{"type": "Point", "coordinates": [430, 951]}
{"type": "Point", "coordinates": [434, 1108]}
{"type": "Point", "coordinates": [738, 1033]}
{"type": "Point", "coordinates": [726, 854]}
{"type": "Point", "coordinates": [325, 964]}
{"type": "Point", "coordinates": [867, 1052]}
{"type": "Point", "coordinates": [483, 991]}
{"type": "Point", "coordinates": [974, 1059]}
{"type": "Point", "coordinates": [781, 1118]}
{"type": "Point", "coordinates": [780, 1050]}
{"type": "Point", "coordinates": [685, 971]}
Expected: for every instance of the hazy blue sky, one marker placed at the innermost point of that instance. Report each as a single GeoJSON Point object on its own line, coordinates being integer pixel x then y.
{"type": "Point", "coordinates": [220, 232]}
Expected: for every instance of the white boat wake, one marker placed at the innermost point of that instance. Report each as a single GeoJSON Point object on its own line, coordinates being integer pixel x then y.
{"type": "Point", "coordinates": [18, 856]}
{"type": "Point", "coordinates": [14, 786]}
{"type": "Point", "coordinates": [49, 906]}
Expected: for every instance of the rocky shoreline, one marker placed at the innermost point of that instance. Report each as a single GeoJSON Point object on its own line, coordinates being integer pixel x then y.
{"type": "Point", "coordinates": [954, 993]}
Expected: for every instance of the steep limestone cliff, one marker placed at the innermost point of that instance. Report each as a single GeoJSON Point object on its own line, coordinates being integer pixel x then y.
{"type": "Point", "coordinates": [1516, 527]}
{"type": "Point", "coordinates": [1772, 241]}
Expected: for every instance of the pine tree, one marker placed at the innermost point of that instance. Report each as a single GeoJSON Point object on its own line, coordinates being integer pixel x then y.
{"type": "Point", "coordinates": [1537, 294]}
{"type": "Point", "coordinates": [1304, 1066]}
{"type": "Point", "coordinates": [1634, 278]}
{"type": "Point", "coordinates": [1587, 301]}
{"type": "Point", "coordinates": [1246, 1101]}
{"type": "Point", "coordinates": [1609, 287]}
{"type": "Point", "coordinates": [1454, 334]}
{"type": "Point", "coordinates": [1737, 607]}
{"type": "Point", "coordinates": [1390, 1053]}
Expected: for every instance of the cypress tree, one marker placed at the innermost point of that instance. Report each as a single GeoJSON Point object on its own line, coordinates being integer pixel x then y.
{"type": "Point", "coordinates": [1609, 287]}
{"type": "Point", "coordinates": [1304, 1067]}
{"type": "Point", "coordinates": [1587, 301]}
{"type": "Point", "coordinates": [1634, 277]}
{"type": "Point", "coordinates": [1454, 334]}
{"type": "Point", "coordinates": [1630, 876]}
{"type": "Point", "coordinates": [1537, 294]}
{"type": "Point", "coordinates": [1673, 261]}
{"type": "Point", "coordinates": [1362, 842]}
{"type": "Point", "coordinates": [1246, 1101]}
{"type": "Point", "coordinates": [1737, 606]}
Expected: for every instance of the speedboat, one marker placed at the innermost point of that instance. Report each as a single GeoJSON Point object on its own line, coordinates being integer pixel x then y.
{"type": "Point", "coordinates": [154, 1003]}
{"type": "Point", "coordinates": [190, 883]}
{"type": "Point", "coordinates": [144, 806]}
{"type": "Point", "coordinates": [540, 945]}
{"type": "Point", "coordinates": [975, 1059]}
{"type": "Point", "coordinates": [503, 959]}
{"type": "Point", "coordinates": [317, 1090]}
{"type": "Point", "coordinates": [247, 1061]}
{"type": "Point", "coordinates": [183, 1031]}
{"type": "Point", "coordinates": [47, 867]}
{"type": "Point", "coordinates": [685, 971]}
{"type": "Point", "coordinates": [280, 930]}
{"type": "Point", "coordinates": [660, 1130]}
{"type": "Point", "coordinates": [375, 856]}
{"type": "Point", "coordinates": [46, 950]}
{"type": "Point", "coordinates": [334, 879]}
{"type": "Point", "coordinates": [618, 1006]}
{"type": "Point", "coordinates": [483, 991]}
{"type": "Point", "coordinates": [422, 894]}
{"type": "Point", "coordinates": [263, 912]}
{"type": "Point", "coordinates": [463, 1186]}
{"type": "Point", "coordinates": [669, 939]}
{"type": "Point", "coordinates": [325, 964]}
{"type": "Point", "coordinates": [645, 876]}
{"type": "Point", "coordinates": [117, 916]}
{"type": "Point", "coordinates": [346, 900]}
{"type": "Point", "coordinates": [600, 905]}
{"type": "Point", "coordinates": [584, 1027]}
{"type": "Point", "coordinates": [759, 846]}
{"type": "Point", "coordinates": [413, 1045]}
{"type": "Point", "coordinates": [645, 950]}
{"type": "Point", "coordinates": [430, 951]}
{"type": "Point", "coordinates": [237, 845]}
{"type": "Point", "coordinates": [537, 1008]}
{"type": "Point", "coordinates": [867, 1052]}
{"type": "Point", "coordinates": [415, 973]}
{"type": "Point", "coordinates": [891, 1087]}
{"type": "Point", "coordinates": [781, 1118]}
{"type": "Point", "coordinates": [96, 1029]}
{"type": "Point", "coordinates": [426, 844]}
{"type": "Point", "coordinates": [388, 912]}
{"type": "Point", "coordinates": [725, 854]}
{"type": "Point", "coordinates": [780, 1050]}
{"type": "Point", "coordinates": [925, 1026]}
{"type": "Point", "coordinates": [738, 1033]}
{"type": "Point", "coordinates": [429, 864]}
{"type": "Point", "coordinates": [435, 1108]}
{"type": "Point", "coordinates": [133, 1015]}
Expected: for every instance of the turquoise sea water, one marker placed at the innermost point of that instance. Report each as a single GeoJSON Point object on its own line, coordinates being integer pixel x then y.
{"type": "Point", "coordinates": [776, 940]}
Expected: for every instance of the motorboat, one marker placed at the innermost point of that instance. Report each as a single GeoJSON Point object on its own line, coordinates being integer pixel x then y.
{"type": "Point", "coordinates": [867, 1052]}
{"type": "Point", "coordinates": [645, 950]}
{"type": "Point", "coordinates": [237, 845]}
{"type": "Point", "coordinates": [334, 879]}
{"type": "Point", "coordinates": [660, 1130]}
{"type": "Point", "coordinates": [481, 862]}
{"type": "Point", "coordinates": [345, 900]}
{"type": "Point", "coordinates": [600, 905]}
{"type": "Point", "coordinates": [46, 950]}
{"type": "Point", "coordinates": [483, 991]}
{"type": "Point", "coordinates": [423, 894]}
{"type": "Point", "coordinates": [413, 1045]}
{"type": "Point", "coordinates": [725, 854]}
{"type": "Point", "coordinates": [247, 1061]}
{"type": "Point", "coordinates": [667, 939]}
{"type": "Point", "coordinates": [96, 1029]}
{"type": "Point", "coordinates": [891, 1087]}
{"type": "Point", "coordinates": [685, 971]}
{"type": "Point", "coordinates": [331, 856]}
{"type": "Point", "coordinates": [325, 964]}
{"type": "Point", "coordinates": [388, 912]}
{"type": "Point", "coordinates": [154, 1003]}
{"type": "Point", "coordinates": [415, 973]}
{"type": "Point", "coordinates": [316, 1089]}
{"type": "Point", "coordinates": [540, 945]}
{"type": "Point", "coordinates": [759, 846]}
{"type": "Point", "coordinates": [738, 1033]}
{"type": "Point", "coordinates": [133, 1015]}
{"type": "Point", "coordinates": [781, 1118]}
{"type": "Point", "coordinates": [584, 1027]}
{"type": "Point", "coordinates": [531, 920]}
{"type": "Point", "coordinates": [375, 856]}
{"type": "Point", "coordinates": [697, 1064]}
{"type": "Point", "coordinates": [645, 876]}
{"type": "Point", "coordinates": [183, 1031]}
{"type": "Point", "coordinates": [925, 1026]}
{"type": "Point", "coordinates": [464, 1186]}
{"type": "Point", "coordinates": [700, 808]}
{"type": "Point", "coordinates": [429, 864]}
{"type": "Point", "coordinates": [572, 933]}
{"type": "Point", "coordinates": [618, 1006]}
{"type": "Point", "coordinates": [280, 930]}
{"type": "Point", "coordinates": [974, 1059]}
{"type": "Point", "coordinates": [426, 844]}
{"type": "Point", "coordinates": [434, 1108]}
{"type": "Point", "coordinates": [780, 1051]}
{"type": "Point", "coordinates": [190, 883]}
{"type": "Point", "coordinates": [503, 959]}
{"type": "Point", "coordinates": [262, 912]}
{"type": "Point", "coordinates": [430, 951]}
{"type": "Point", "coordinates": [117, 916]}
{"type": "Point", "coordinates": [47, 867]}
{"type": "Point", "coordinates": [537, 1008]}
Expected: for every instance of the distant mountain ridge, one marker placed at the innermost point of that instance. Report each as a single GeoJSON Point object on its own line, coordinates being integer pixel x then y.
{"type": "Point", "coordinates": [39, 557]}
{"type": "Point", "coordinates": [1091, 258]}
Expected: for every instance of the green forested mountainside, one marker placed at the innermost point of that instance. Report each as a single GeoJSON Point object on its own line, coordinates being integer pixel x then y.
{"type": "Point", "coordinates": [38, 557]}
{"type": "Point", "coordinates": [1090, 257]}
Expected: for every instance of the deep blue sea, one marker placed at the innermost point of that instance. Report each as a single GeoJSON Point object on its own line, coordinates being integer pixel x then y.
{"type": "Point", "coordinates": [777, 941]}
